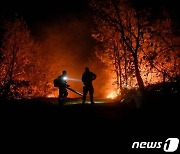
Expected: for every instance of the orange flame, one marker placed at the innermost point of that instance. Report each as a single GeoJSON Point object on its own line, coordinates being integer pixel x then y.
{"type": "Point", "coordinates": [112, 95]}
{"type": "Point", "coordinates": [53, 95]}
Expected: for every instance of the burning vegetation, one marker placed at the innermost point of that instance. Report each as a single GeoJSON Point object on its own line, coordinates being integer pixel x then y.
{"type": "Point", "coordinates": [38, 63]}
{"type": "Point", "coordinates": [132, 50]}
{"type": "Point", "coordinates": [139, 49]}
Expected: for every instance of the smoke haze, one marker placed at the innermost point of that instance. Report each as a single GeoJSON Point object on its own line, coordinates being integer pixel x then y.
{"type": "Point", "coordinates": [70, 47]}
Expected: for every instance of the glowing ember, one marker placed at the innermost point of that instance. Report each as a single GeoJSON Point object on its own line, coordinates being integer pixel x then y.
{"type": "Point", "coordinates": [112, 95]}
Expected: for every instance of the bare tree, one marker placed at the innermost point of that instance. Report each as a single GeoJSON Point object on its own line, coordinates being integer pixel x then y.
{"type": "Point", "coordinates": [143, 47]}
{"type": "Point", "coordinates": [127, 22]}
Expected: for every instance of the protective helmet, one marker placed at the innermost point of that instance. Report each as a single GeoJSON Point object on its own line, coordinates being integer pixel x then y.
{"type": "Point", "coordinates": [86, 68]}
{"type": "Point", "coordinates": [64, 72]}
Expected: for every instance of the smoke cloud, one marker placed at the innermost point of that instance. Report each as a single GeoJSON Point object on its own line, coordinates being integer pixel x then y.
{"type": "Point", "coordinates": [70, 47]}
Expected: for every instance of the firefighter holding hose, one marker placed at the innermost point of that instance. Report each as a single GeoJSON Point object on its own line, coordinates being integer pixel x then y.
{"type": "Point", "coordinates": [62, 86]}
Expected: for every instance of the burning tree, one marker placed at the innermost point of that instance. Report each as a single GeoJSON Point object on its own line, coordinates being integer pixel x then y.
{"type": "Point", "coordinates": [137, 46]}
{"type": "Point", "coordinates": [161, 49]}
{"type": "Point", "coordinates": [17, 51]}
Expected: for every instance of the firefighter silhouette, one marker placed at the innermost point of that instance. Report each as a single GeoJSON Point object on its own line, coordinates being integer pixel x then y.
{"type": "Point", "coordinates": [87, 79]}
{"type": "Point", "coordinates": [62, 86]}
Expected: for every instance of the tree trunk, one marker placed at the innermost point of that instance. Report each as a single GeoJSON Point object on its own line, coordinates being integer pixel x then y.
{"type": "Point", "coordinates": [115, 64]}
{"type": "Point", "coordinates": [120, 74]}
{"type": "Point", "coordinates": [138, 75]}
{"type": "Point", "coordinates": [125, 67]}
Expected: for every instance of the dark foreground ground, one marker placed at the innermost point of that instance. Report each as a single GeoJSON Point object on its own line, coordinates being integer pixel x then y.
{"type": "Point", "coordinates": [110, 126]}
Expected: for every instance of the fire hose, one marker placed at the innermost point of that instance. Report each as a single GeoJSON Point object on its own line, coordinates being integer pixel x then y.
{"type": "Point", "coordinates": [56, 84]}
{"type": "Point", "coordinates": [74, 91]}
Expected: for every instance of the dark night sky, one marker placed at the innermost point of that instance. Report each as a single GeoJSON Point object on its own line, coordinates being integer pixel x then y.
{"type": "Point", "coordinates": [47, 10]}
{"type": "Point", "coordinates": [39, 8]}
{"type": "Point", "coordinates": [43, 11]}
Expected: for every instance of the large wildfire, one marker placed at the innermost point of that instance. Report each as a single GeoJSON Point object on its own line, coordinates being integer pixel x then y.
{"type": "Point", "coordinates": [59, 51]}
{"type": "Point", "coordinates": [130, 52]}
